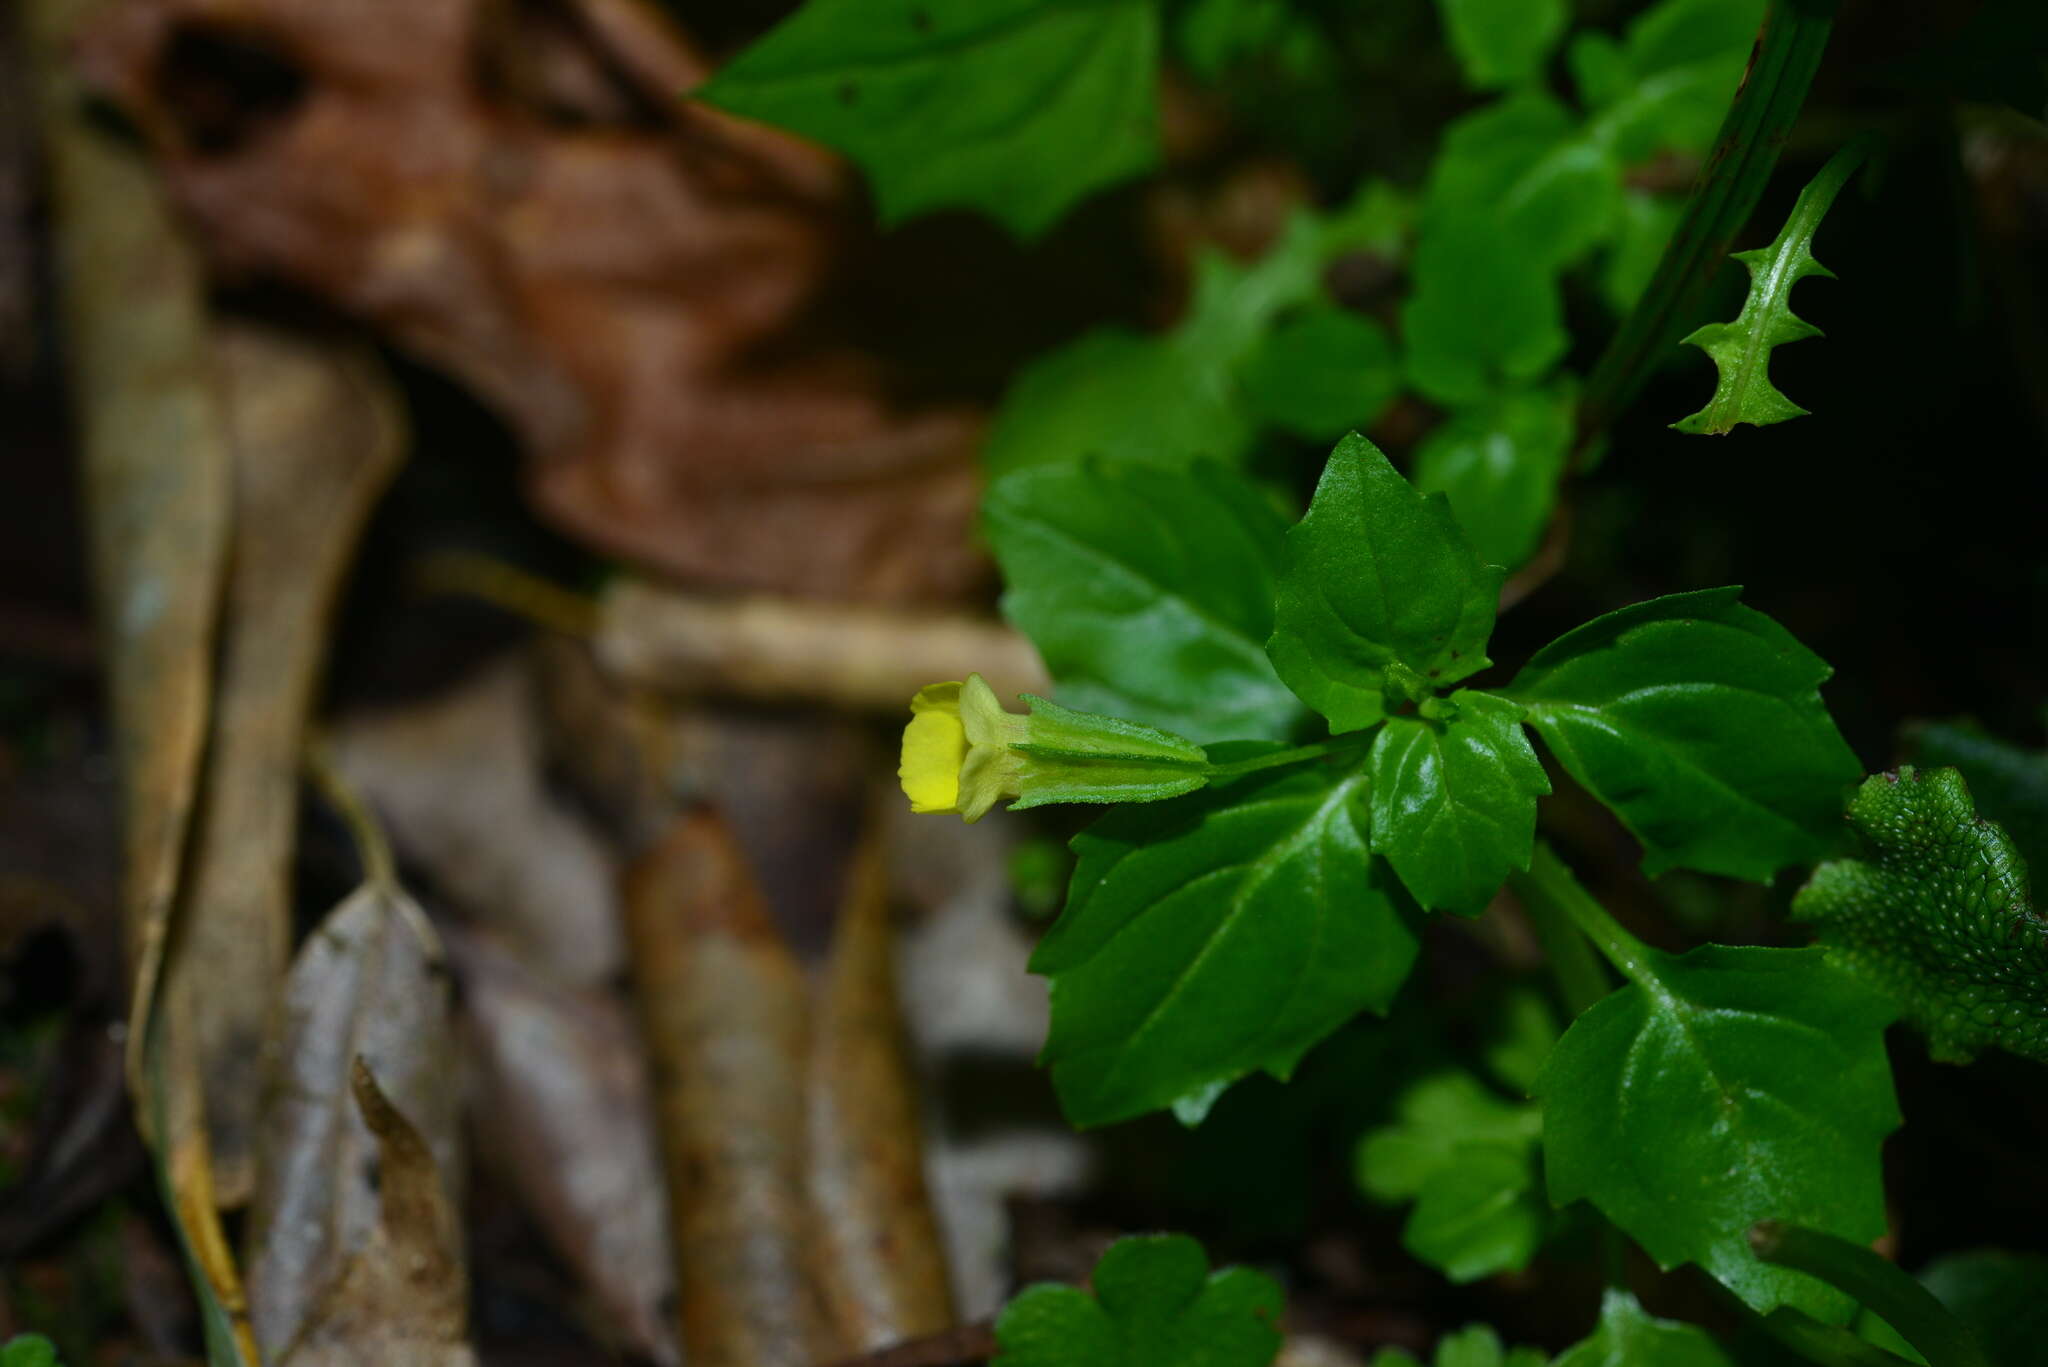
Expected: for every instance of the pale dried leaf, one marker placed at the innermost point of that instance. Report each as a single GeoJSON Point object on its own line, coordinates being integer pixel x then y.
{"type": "Point", "coordinates": [457, 781]}
{"type": "Point", "coordinates": [401, 1300]}
{"type": "Point", "coordinates": [369, 984]}
{"type": "Point", "coordinates": [317, 433]}
{"type": "Point", "coordinates": [561, 1074]}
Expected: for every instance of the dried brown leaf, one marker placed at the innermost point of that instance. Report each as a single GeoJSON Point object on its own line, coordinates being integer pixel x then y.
{"type": "Point", "coordinates": [879, 1257]}
{"type": "Point", "coordinates": [723, 1007]}
{"type": "Point", "coordinates": [561, 1075]}
{"type": "Point", "coordinates": [317, 432]}
{"type": "Point", "coordinates": [155, 457]}
{"type": "Point", "coordinates": [368, 987]}
{"type": "Point", "coordinates": [155, 454]}
{"type": "Point", "coordinates": [401, 1300]}
{"type": "Point", "coordinates": [457, 780]}
{"type": "Point", "coordinates": [643, 302]}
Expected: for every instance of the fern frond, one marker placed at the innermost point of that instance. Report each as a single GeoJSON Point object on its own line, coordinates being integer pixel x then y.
{"type": "Point", "coordinates": [1741, 350]}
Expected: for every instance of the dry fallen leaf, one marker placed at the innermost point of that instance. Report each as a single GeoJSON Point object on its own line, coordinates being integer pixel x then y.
{"type": "Point", "coordinates": [317, 433]}
{"type": "Point", "coordinates": [560, 1073]}
{"type": "Point", "coordinates": [368, 986]}
{"type": "Point", "coordinates": [879, 1257]}
{"type": "Point", "coordinates": [401, 1300]}
{"type": "Point", "coordinates": [642, 298]}
{"type": "Point", "coordinates": [723, 1006]}
{"type": "Point", "coordinates": [155, 456]}
{"type": "Point", "coordinates": [457, 781]}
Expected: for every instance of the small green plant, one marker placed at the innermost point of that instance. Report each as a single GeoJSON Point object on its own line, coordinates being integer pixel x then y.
{"type": "Point", "coordinates": [1154, 1303]}
{"type": "Point", "coordinates": [28, 1350]}
{"type": "Point", "coordinates": [1299, 725]}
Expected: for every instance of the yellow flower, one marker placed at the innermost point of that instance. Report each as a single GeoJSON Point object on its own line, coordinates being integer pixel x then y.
{"type": "Point", "coordinates": [956, 750]}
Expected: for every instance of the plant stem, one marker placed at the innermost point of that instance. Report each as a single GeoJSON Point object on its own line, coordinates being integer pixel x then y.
{"type": "Point", "coordinates": [1300, 754]}
{"type": "Point", "coordinates": [1878, 1285]}
{"type": "Point", "coordinates": [1787, 53]}
{"type": "Point", "coordinates": [1544, 890]}
{"type": "Point", "coordinates": [1554, 898]}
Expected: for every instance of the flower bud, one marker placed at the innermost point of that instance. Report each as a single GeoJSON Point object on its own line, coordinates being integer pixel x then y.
{"type": "Point", "coordinates": [962, 752]}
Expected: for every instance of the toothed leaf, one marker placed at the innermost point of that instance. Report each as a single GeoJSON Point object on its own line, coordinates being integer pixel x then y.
{"type": "Point", "coordinates": [1741, 350]}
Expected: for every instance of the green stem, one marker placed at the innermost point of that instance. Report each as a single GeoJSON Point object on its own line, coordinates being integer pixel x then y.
{"type": "Point", "coordinates": [1555, 899]}
{"type": "Point", "coordinates": [1300, 754]}
{"type": "Point", "coordinates": [1781, 67]}
{"type": "Point", "coordinates": [1580, 975]}
{"type": "Point", "coordinates": [1878, 1285]}
{"type": "Point", "coordinates": [1825, 1344]}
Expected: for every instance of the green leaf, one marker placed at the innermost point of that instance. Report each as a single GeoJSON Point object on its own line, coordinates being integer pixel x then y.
{"type": "Point", "coordinates": [1476, 1345]}
{"type": "Point", "coordinates": [1700, 722]}
{"type": "Point", "coordinates": [1644, 225]}
{"type": "Point", "coordinates": [1015, 107]}
{"type": "Point", "coordinates": [1723, 1087]}
{"type": "Point", "coordinates": [1216, 934]}
{"type": "Point", "coordinates": [1155, 1304]}
{"type": "Point", "coordinates": [1741, 350]}
{"type": "Point", "coordinates": [1525, 168]}
{"type": "Point", "coordinates": [1169, 399]}
{"type": "Point", "coordinates": [1483, 1215]}
{"type": "Point", "coordinates": [2010, 782]}
{"type": "Point", "coordinates": [1523, 1031]}
{"type": "Point", "coordinates": [1518, 193]}
{"type": "Point", "coordinates": [1214, 36]}
{"type": "Point", "coordinates": [28, 1350]}
{"type": "Point", "coordinates": [1379, 589]}
{"type": "Point", "coordinates": [1432, 1117]}
{"type": "Point", "coordinates": [1629, 1337]}
{"type": "Point", "coordinates": [1322, 372]}
{"type": "Point", "coordinates": [1499, 464]}
{"type": "Point", "coordinates": [1938, 916]}
{"type": "Point", "coordinates": [1503, 42]}
{"type": "Point", "coordinates": [1113, 393]}
{"type": "Point", "coordinates": [1481, 316]}
{"type": "Point", "coordinates": [1468, 1161]}
{"type": "Point", "coordinates": [1667, 84]}
{"type": "Point", "coordinates": [1148, 591]}
{"type": "Point", "coordinates": [2000, 1297]}
{"type": "Point", "coordinates": [1454, 801]}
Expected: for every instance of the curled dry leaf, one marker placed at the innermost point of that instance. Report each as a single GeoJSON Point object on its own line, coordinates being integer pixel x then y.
{"type": "Point", "coordinates": [723, 1005]}
{"type": "Point", "coordinates": [640, 301]}
{"type": "Point", "coordinates": [368, 987]}
{"type": "Point", "coordinates": [155, 460]}
{"type": "Point", "coordinates": [316, 433]}
{"type": "Point", "coordinates": [457, 781]}
{"type": "Point", "coordinates": [561, 1074]}
{"type": "Point", "coordinates": [790, 650]}
{"type": "Point", "coordinates": [401, 1300]}
{"type": "Point", "coordinates": [154, 450]}
{"type": "Point", "coordinates": [879, 1257]}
